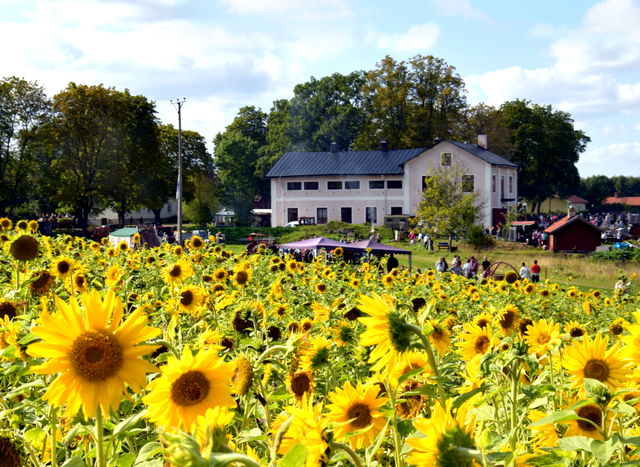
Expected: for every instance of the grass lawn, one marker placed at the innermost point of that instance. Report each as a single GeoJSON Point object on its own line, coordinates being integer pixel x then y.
{"type": "Point", "coordinates": [565, 269]}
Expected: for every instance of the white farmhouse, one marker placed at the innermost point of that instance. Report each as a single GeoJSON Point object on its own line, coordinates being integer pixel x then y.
{"type": "Point", "coordinates": [366, 186]}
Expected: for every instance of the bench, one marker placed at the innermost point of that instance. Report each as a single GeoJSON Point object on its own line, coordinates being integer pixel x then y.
{"type": "Point", "coordinates": [443, 246]}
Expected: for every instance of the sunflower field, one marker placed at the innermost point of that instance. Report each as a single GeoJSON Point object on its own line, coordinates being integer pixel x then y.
{"type": "Point", "coordinates": [195, 356]}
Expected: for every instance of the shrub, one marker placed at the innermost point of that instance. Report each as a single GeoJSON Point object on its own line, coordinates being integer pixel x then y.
{"type": "Point", "coordinates": [478, 239]}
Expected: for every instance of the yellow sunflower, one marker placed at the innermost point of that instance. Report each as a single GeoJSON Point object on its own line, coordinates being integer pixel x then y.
{"type": "Point", "coordinates": [188, 387]}
{"type": "Point", "coordinates": [177, 272]}
{"type": "Point", "coordinates": [440, 338]}
{"type": "Point", "coordinates": [508, 319]}
{"type": "Point", "coordinates": [191, 299]}
{"type": "Point", "coordinates": [315, 353]}
{"type": "Point", "coordinates": [355, 413]}
{"type": "Point", "coordinates": [593, 424]}
{"type": "Point", "coordinates": [308, 428]}
{"type": "Point", "coordinates": [300, 383]}
{"type": "Point", "coordinates": [475, 341]}
{"type": "Point", "coordinates": [483, 320]}
{"type": "Point", "coordinates": [545, 435]}
{"type": "Point", "coordinates": [442, 434]}
{"type": "Point", "coordinates": [542, 337]}
{"type": "Point", "coordinates": [574, 329]}
{"type": "Point", "coordinates": [93, 350]}
{"type": "Point", "coordinates": [63, 267]}
{"type": "Point", "coordinates": [591, 359]}
{"type": "Point", "coordinates": [384, 330]}
{"type": "Point", "coordinates": [114, 276]}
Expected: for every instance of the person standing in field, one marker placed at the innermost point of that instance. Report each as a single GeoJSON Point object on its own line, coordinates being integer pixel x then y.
{"type": "Point", "coordinates": [524, 272]}
{"type": "Point", "coordinates": [535, 271]}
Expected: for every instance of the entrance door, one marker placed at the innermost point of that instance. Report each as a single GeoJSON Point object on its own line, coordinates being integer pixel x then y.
{"type": "Point", "coordinates": [345, 215]}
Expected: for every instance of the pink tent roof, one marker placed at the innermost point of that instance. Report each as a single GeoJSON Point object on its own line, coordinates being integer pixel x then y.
{"type": "Point", "coordinates": [312, 244]}
{"type": "Point", "coordinates": [375, 247]}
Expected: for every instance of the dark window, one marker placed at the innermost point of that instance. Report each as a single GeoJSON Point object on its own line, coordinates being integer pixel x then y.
{"type": "Point", "coordinates": [376, 184]}
{"type": "Point", "coordinates": [396, 210]}
{"type": "Point", "coordinates": [334, 185]}
{"type": "Point", "coordinates": [352, 185]}
{"type": "Point", "coordinates": [445, 158]}
{"type": "Point", "coordinates": [493, 183]}
{"type": "Point", "coordinates": [321, 215]}
{"type": "Point", "coordinates": [294, 186]}
{"type": "Point", "coordinates": [310, 185]}
{"type": "Point", "coordinates": [371, 216]}
{"type": "Point", "coordinates": [510, 184]}
{"type": "Point", "coordinates": [467, 183]}
{"type": "Point", "coordinates": [394, 184]}
{"type": "Point", "coordinates": [292, 214]}
{"type": "Point", "coordinates": [424, 181]}
{"type": "Point", "coordinates": [345, 215]}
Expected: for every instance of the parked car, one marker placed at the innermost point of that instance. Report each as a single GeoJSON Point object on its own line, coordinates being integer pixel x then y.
{"type": "Point", "coordinates": [292, 224]}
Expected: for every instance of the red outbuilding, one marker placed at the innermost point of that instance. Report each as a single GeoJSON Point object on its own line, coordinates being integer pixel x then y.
{"type": "Point", "coordinates": [573, 234]}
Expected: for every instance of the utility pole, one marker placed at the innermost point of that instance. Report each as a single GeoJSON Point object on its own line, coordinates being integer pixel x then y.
{"type": "Point", "coordinates": [178, 104]}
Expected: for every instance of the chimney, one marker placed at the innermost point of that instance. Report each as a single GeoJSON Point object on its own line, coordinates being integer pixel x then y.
{"type": "Point", "coordinates": [436, 141]}
{"type": "Point", "coordinates": [334, 147]}
{"type": "Point", "coordinates": [482, 141]}
{"type": "Point", "coordinates": [572, 212]}
{"type": "Point", "coordinates": [384, 146]}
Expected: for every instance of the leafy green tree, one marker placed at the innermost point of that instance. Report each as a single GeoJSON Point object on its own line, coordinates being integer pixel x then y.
{"type": "Point", "coordinates": [23, 107]}
{"type": "Point", "coordinates": [448, 207]}
{"type": "Point", "coordinates": [410, 103]}
{"type": "Point", "coordinates": [546, 146]}
{"type": "Point", "coordinates": [131, 165]}
{"type": "Point", "coordinates": [483, 119]}
{"type": "Point", "coordinates": [277, 138]}
{"type": "Point", "coordinates": [236, 156]}
{"type": "Point", "coordinates": [595, 189]}
{"type": "Point", "coordinates": [204, 205]}
{"type": "Point", "coordinates": [326, 110]}
{"type": "Point", "coordinates": [196, 161]}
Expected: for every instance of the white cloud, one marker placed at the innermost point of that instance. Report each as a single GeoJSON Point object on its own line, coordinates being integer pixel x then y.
{"type": "Point", "coordinates": [459, 8]}
{"type": "Point", "coordinates": [589, 63]}
{"type": "Point", "coordinates": [318, 9]}
{"type": "Point", "coordinates": [611, 159]}
{"type": "Point", "coordinates": [417, 38]}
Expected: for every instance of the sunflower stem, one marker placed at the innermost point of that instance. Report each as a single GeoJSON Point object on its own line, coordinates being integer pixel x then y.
{"type": "Point", "coordinates": [267, 416]}
{"type": "Point", "coordinates": [270, 350]}
{"type": "Point", "coordinates": [515, 375]}
{"type": "Point", "coordinates": [53, 420]}
{"type": "Point", "coordinates": [233, 459]}
{"type": "Point", "coordinates": [396, 435]}
{"type": "Point", "coordinates": [100, 459]}
{"type": "Point", "coordinates": [355, 459]}
{"type": "Point", "coordinates": [432, 361]}
{"type": "Point", "coordinates": [275, 446]}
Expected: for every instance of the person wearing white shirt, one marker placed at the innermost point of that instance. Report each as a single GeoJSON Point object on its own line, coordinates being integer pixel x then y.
{"type": "Point", "coordinates": [524, 272]}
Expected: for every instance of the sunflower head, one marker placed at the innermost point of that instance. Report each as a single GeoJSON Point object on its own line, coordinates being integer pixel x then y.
{"type": "Point", "coordinates": [42, 282]}
{"type": "Point", "coordinates": [5, 224]}
{"type": "Point", "coordinates": [22, 226]}
{"type": "Point", "coordinates": [242, 376]}
{"type": "Point", "coordinates": [24, 248]}
{"type": "Point", "coordinates": [510, 277]}
{"type": "Point", "coordinates": [9, 453]}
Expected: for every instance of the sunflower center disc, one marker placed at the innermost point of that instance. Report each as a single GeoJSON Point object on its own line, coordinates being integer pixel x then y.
{"type": "Point", "coordinates": [186, 298]}
{"type": "Point", "coordinates": [482, 343]}
{"type": "Point", "coordinates": [63, 267]}
{"type": "Point", "coordinates": [175, 271]}
{"type": "Point", "coordinates": [543, 338]}
{"type": "Point", "coordinates": [300, 384]}
{"type": "Point", "coordinates": [507, 320]}
{"type": "Point", "coordinates": [190, 388]}
{"type": "Point", "coordinates": [592, 413]}
{"type": "Point", "coordinates": [96, 356]}
{"type": "Point", "coordinates": [359, 415]}
{"type": "Point", "coordinates": [596, 369]}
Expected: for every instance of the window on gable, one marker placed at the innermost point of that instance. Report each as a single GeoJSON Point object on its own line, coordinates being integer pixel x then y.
{"type": "Point", "coordinates": [445, 159]}
{"type": "Point", "coordinates": [510, 184]}
{"type": "Point", "coordinates": [334, 185]}
{"type": "Point", "coordinates": [351, 185]}
{"type": "Point", "coordinates": [310, 185]}
{"type": "Point", "coordinates": [467, 183]}
{"type": "Point", "coordinates": [291, 186]}
{"type": "Point", "coordinates": [394, 184]}
{"type": "Point", "coordinates": [376, 184]}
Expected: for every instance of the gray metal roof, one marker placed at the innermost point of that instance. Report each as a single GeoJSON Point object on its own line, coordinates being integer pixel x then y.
{"type": "Point", "coordinates": [303, 164]}
{"type": "Point", "coordinates": [484, 154]}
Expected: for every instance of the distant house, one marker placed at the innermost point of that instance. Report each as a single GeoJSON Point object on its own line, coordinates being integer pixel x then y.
{"type": "Point", "coordinates": [626, 200]}
{"type": "Point", "coordinates": [367, 186]}
{"type": "Point", "coordinates": [555, 204]}
{"type": "Point", "coordinates": [573, 234]}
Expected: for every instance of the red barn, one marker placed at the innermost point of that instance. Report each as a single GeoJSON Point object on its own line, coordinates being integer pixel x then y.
{"type": "Point", "coordinates": [573, 234]}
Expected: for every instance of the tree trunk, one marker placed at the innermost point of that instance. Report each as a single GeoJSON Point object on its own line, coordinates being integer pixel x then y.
{"type": "Point", "coordinates": [156, 216]}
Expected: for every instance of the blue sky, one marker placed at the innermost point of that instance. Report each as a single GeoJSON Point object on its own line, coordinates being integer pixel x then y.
{"type": "Point", "coordinates": [581, 56]}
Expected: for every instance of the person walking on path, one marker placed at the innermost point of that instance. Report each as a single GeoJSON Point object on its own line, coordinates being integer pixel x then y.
{"type": "Point", "coordinates": [535, 271]}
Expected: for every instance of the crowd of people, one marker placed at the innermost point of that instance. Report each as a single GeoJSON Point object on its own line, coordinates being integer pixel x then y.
{"type": "Point", "coordinates": [472, 269]}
